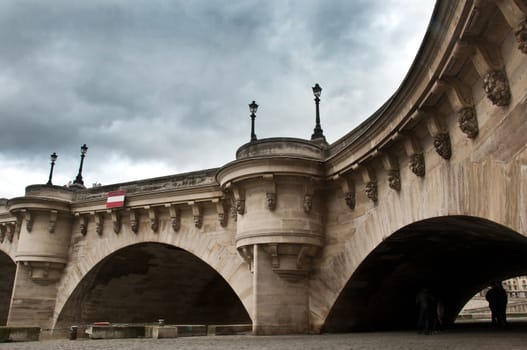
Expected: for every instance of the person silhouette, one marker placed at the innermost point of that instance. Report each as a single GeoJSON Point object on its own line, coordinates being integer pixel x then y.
{"type": "Point", "coordinates": [497, 299]}
{"type": "Point", "coordinates": [427, 311]}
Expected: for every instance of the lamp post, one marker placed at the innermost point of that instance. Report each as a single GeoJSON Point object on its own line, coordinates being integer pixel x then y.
{"type": "Point", "coordinates": [317, 132]}
{"type": "Point", "coordinates": [53, 159]}
{"type": "Point", "coordinates": [78, 179]}
{"type": "Point", "coordinates": [253, 107]}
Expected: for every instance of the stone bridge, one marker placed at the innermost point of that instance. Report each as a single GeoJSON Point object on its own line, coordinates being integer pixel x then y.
{"type": "Point", "coordinates": [298, 235]}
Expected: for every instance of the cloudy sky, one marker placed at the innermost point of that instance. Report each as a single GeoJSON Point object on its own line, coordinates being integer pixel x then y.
{"type": "Point", "coordinates": [159, 87]}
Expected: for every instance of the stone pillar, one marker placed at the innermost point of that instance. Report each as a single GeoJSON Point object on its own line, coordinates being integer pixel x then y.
{"type": "Point", "coordinates": [44, 229]}
{"type": "Point", "coordinates": [279, 227]}
{"type": "Point", "coordinates": [280, 305]}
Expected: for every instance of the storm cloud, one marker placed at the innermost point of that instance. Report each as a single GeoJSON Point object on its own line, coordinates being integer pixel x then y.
{"type": "Point", "coordinates": [161, 87]}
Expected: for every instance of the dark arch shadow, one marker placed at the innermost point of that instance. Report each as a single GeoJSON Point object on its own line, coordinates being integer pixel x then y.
{"type": "Point", "coordinates": [149, 281]}
{"type": "Point", "coordinates": [7, 279]}
{"type": "Point", "coordinates": [455, 256]}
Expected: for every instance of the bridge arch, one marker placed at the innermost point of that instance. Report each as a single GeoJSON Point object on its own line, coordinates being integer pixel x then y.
{"type": "Point", "coordinates": [7, 276]}
{"type": "Point", "coordinates": [147, 281]}
{"type": "Point", "coordinates": [455, 256]}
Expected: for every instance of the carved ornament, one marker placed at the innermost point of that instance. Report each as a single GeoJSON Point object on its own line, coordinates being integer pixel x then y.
{"type": "Point", "coordinates": [521, 37]}
{"type": "Point", "coordinates": [175, 217]}
{"type": "Point", "coordinates": [394, 179]}
{"type": "Point", "coordinates": [417, 164]}
{"type": "Point", "coordinates": [371, 190]}
{"type": "Point", "coordinates": [52, 221]}
{"type": "Point", "coordinates": [28, 217]}
{"type": "Point", "coordinates": [349, 197]}
{"type": "Point", "coordinates": [134, 221]}
{"type": "Point", "coordinates": [468, 123]}
{"type": "Point", "coordinates": [2, 233]}
{"type": "Point", "coordinates": [496, 86]}
{"type": "Point", "coordinates": [270, 198]}
{"type": "Point", "coordinates": [44, 273]}
{"type": "Point", "coordinates": [308, 203]}
{"type": "Point", "coordinates": [348, 188]}
{"type": "Point", "coordinates": [442, 145]}
{"type": "Point", "coordinates": [197, 214]}
{"type": "Point", "coordinates": [154, 220]}
{"type": "Point", "coordinates": [234, 213]}
{"type": "Point", "coordinates": [220, 209]}
{"type": "Point", "coordinates": [240, 206]}
{"type": "Point", "coordinates": [116, 220]}
{"type": "Point", "coordinates": [99, 223]}
{"type": "Point", "coordinates": [83, 224]}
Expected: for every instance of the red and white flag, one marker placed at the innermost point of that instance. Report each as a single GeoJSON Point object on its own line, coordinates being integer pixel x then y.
{"type": "Point", "coordinates": [115, 199]}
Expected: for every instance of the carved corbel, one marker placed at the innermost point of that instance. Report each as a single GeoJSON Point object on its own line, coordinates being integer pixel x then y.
{"type": "Point", "coordinates": [348, 188]}
{"type": "Point", "coordinates": [116, 220]}
{"type": "Point", "coordinates": [10, 228]}
{"type": "Point", "coordinates": [52, 221]}
{"type": "Point", "coordinates": [83, 223]}
{"type": "Point", "coordinates": [514, 13]}
{"type": "Point", "coordinates": [438, 131]}
{"type": "Point", "coordinates": [2, 232]}
{"type": "Point", "coordinates": [394, 175]}
{"type": "Point", "coordinates": [308, 196]}
{"type": "Point", "coordinates": [270, 192]}
{"type": "Point", "coordinates": [99, 222]}
{"type": "Point", "coordinates": [134, 221]}
{"type": "Point", "coordinates": [417, 159]}
{"type": "Point", "coordinates": [488, 62]}
{"type": "Point", "coordinates": [246, 252]}
{"type": "Point", "coordinates": [220, 209]}
{"type": "Point", "coordinates": [18, 225]}
{"type": "Point", "coordinates": [272, 250]}
{"type": "Point", "coordinates": [152, 216]}
{"type": "Point", "coordinates": [460, 97]}
{"type": "Point", "coordinates": [239, 200]}
{"type": "Point", "coordinates": [370, 179]}
{"type": "Point", "coordinates": [234, 212]}
{"type": "Point", "coordinates": [197, 213]}
{"type": "Point", "coordinates": [175, 217]}
{"type": "Point", "coordinates": [28, 218]}
{"type": "Point", "coordinates": [43, 272]}
{"type": "Point", "coordinates": [305, 256]}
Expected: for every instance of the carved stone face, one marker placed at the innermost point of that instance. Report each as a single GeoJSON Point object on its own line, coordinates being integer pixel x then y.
{"type": "Point", "coordinates": [175, 224]}
{"type": "Point", "coordinates": [198, 221]}
{"type": "Point", "coordinates": [240, 206]}
{"type": "Point", "coordinates": [98, 228]}
{"type": "Point", "coordinates": [350, 199]}
{"type": "Point", "coordinates": [83, 228]}
{"type": "Point", "coordinates": [271, 200]}
{"type": "Point", "coordinates": [417, 164]}
{"type": "Point", "coordinates": [468, 122]}
{"type": "Point", "coordinates": [394, 180]}
{"type": "Point", "coordinates": [134, 225]}
{"type": "Point", "coordinates": [442, 145]}
{"type": "Point", "coordinates": [371, 190]}
{"type": "Point", "coordinates": [154, 225]}
{"type": "Point", "coordinates": [308, 203]}
{"type": "Point", "coordinates": [222, 219]}
{"type": "Point", "coordinates": [496, 87]}
{"type": "Point", "coordinates": [521, 37]}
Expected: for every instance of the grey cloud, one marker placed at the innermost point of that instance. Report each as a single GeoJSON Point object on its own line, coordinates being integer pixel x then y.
{"type": "Point", "coordinates": [170, 81]}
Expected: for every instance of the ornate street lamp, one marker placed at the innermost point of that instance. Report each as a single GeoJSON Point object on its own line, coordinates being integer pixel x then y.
{"type": "Point", "coordinates": [53, 160]}
{"type": "Point", "coordinates": [253, 107]}
{"type": "Point", "coordinates": [317, 132]}
{"type": "Point", "coordinates": [78, 179]}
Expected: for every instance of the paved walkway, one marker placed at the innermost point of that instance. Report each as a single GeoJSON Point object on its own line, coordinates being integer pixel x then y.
{"type": "Point", "coordinates": [466, 338]}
